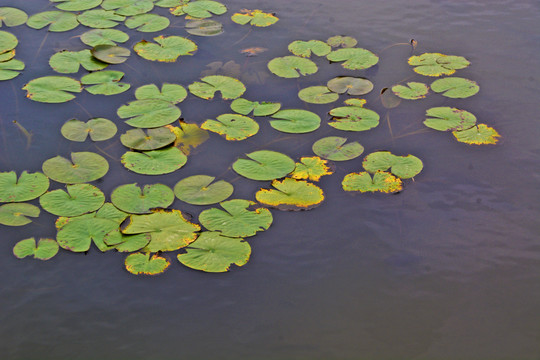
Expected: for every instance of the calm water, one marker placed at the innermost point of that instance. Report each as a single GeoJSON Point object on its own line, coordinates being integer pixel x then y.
{"type": "Point", "coordinates": [447, 269]}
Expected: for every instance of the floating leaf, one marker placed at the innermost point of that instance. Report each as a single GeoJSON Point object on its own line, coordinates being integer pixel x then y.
{"type": "Point", "coordinates": [131, 199]}
{"type": "Point", "coordinates": [449, 119]}
{"type": "Point", "coordinates": [353, 118]}
{"type": "Point", "coordinates": [215, 253]}
{"type": "Point", "coordinates": [317, 95]}
{"type": "Point", "coordinates": [404, 167]}
{"type": "Point", "coordinates": [332, 148]}
{"type": "Point", "coordinates": [477, 135]}
{"type": "Point", "coordinates": [350, 85]}
{"type": "Point", "coordinates": [254, 17]}
{"type": "Point", "coordinates": [100, 19]}
{"type": "Point", "coordinates": [127, 243]}
{"type": "Point", "coordinates": [291, 194]}
{"type": "Point", "coordinates": [413, 90]}
{"type": "Point", "coordinates": [170, 3]}
{"type": "Point", "coordinates": [16, 214]}
{"type": "Point", "coordinates": [200, 9]}
{"type": "Point", "coordinates": [111, 54]}
{"type": "Point", "coordinates": [305, 48]}
{"type": "Point", "coordinates": [10, 16]}
{"type": "Point", "coordinates": [78, 233]}
{"type": "Point", "coordinates": [45, 249]}
{"type": "Point", "coordinates": [229, 87]}
{"type": "Point", "coordinates": [52, 89]}
{"type": "Point", "coordinates": [435, 64]}
{"type": "Point", "coordinates": [155, 162]}
{"type": "Point", "coordinates": [66, 62]}
{"type": "Point", "coordinates": [128, 7]}
{"type": "Point", "coordinates": [455, 87]}
{"type": "Point", "coordinates": [105, 82]}
{"type": "Point", "coordinates": [79, 199]}
{"type": "Point", "coordinates": [311, 168]}
{"type": "Point", "coordinates": [291, 66]}
{"type": "Point", "coordinates": [264, 165]}
{"type": "Point", "coordinates": [99, 129]}
{"type": "Point", "coordinates": [201, 190]}
{"type": "Point", "coordinates": [107, 211]}
{"type": "Point", "coordinates": [28, 187]}
{"type": "Point", "coordinates": [83, 167]}
{"type": "Point", "coordinates": [244, 107]}
{"type": "Point", "coordinates": [76, 5]}
{"type": "Point", "coordinates": [140, 263]}
{"type": "Point", "coordinates": [151, 140]}
{"type": "Point", "coordinates": [8, 55]}
{"type": "Point", "coordinates": [168, 50]}
{"type": "Point", "coordinates": [8, 69]}
{"type": "Point", "coordinates": [204, 27]}
{"type": "Point", "coordinates": [356, 102]}
{"type": "Point", "coordinates": [58, 21]}
{"type": "Point", "coordinates": [149, 113]}
{"type": "Point", "coordinates": [354, 58]}
{"type": "Point", "coordinates": [8, 41]}
{"type": "Point", "coordinates": [104, 37]}
{"type": "Point", "coordinates": [342, 41]}
{"type": "Point", "coordinates": [147, 22]}
{"type": "Point", "coordinates": [189, 136]}
{"type": "Point", "coordinates": [232, 126]}
{"type": "Point", "coordinates": [295, 121]}
{"type": "Point", "coordinates": [172, 93]}
{"type": "Point", "coordinates": [381, 181]}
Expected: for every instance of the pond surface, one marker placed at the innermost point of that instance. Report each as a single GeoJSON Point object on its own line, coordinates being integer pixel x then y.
{"type": "Point", "coordinates": [446, 269]}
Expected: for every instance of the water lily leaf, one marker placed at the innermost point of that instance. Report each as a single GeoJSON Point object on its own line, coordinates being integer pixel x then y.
{"type": "Point", "coordinates": [99, 129]}
{"type": "Point", "coordinates": [332, 148]}
{"type": "Point", "coordinates": [8, 69]}
{"type": "Point", "coordinates": [170, 231]}
{"type": "Point", "coordinates": [77, 234]}
{"type": "Point", "coordinates": [76, 5]}
{"type": "Point", "coordinates": [153, 139]}
{"type": "Point", "coordinates": [147, 22]}
{"type": "Point", "coordinates": [311, 168]}
{"type": "Point", "coordinates": [229, 87]}
{"type": "Point", "coordinates": [201, 190]}
{"type": "Point", "coordinates": [10, 16]}
{"type": "Point", "coordinates": [363, 182]}
{"type": "Point", "coordinates": [200, 9]}
{"type": "Point", "coordinates": [455, 87]}
{"type": "Point", "coordinates": [131, 199]}
{"type": "Point", "coordinates": [110, 54]}
{"type": "Point", "coordinates": [435, 64]}
{"type": "Point", "coordinates": [79, 199]}
{"type": "Point", "coordinates": [128, 7]}
{"type": "Point", "coordinates": [232, 126]}
{"type": "Point", "coordinates": [404, 167]}
{"type": "Point", "coordinates": [107, 211]}
{"type": "Point", "coordinates": [58, 21]}
{"type": "Point", "coordinates": [100, 19]}
{"type": "Point", "coordinates": [28, 187]}
{"type": "Point", "coordinates": [170, 3]}
{"type": "Point", "coordinates": [353, 118]}
{"type": "Point", "coordinates": [83, 167]}
{"type": "Point", "coordinates": [295, 121]}
{"type": "Point", "coordinates": [8, 55]}
{"type": "Point", "coordinates": [106, 82]}
{"type": "Point", "coordinates": [291, 194]}
{"type": "Point", "coordinates": [16, 214]}
{"type": "Point", "coordinates": [126, 243]}
{"type": "Point", "coordinates": [354, 58]}
{"type": "Point", "coordinates": [66, 62]}
{"type": "Point", "coordinates": [449, 119]}
{"type": "Point", "coordinates": [291, 66]}
{"type": "Point", "coordinates": [52, 89]}
{"type": "Point", "coordinates": [306, 48]}
{"type": "Point", "coordinates": [140, 263]}
{"type": "Point", "coordinates": [388, 99]}
{"type": "Point", "coordinates": [317, 95]}
{"type": "Point", "coordinates": [97, 37]}
{"type": "Point", "coordinates": [477, 135]}
{"type": "Point", "coordinates": [254, 17]}
{"type": "Point", "coordinates": [45, 249]}
{"type": "Point", "coordinates": [204, 27]}
{"type": "Point", "coordinates": [172, 93]}
{"type": "Point", "coordinates": [244, 107]}
{"type": "Point", "coordinates": [167, 49]}
{"type": "Point", "coordinates": [215, 253]}
{"type": "Point", "coordinates": [149, 113]}
{"type": "Point", "coordinates": [264, 165]}
{"type": "Point", "coordinates": [342, 41]}
{"type": "Point", "coordinates": [350, 85]}
{"type": "Point", "coordinates": [189, 136]}
{"type": "Point", "coordinates": [8, 41]}
{"type": "Point", "coordinates": [413, 90]}
{"type": "Point", "coordinates": [356, 102]}
{"type": "Point", "coordinates": [155, 162]}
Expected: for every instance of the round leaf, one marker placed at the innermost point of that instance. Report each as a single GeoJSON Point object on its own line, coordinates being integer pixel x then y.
{"type": "Point", "coordinates": [353, 118]}
{"type": "Point", "coordinates": [147, 22]}
{"type": "Point", "coordinates": [449, 119]}
{"type": "Point", "coordinates": [29, 186]}
{"type": "Point", "coordinates": [477, 135]}
{"type": "Point", "coordinates": [317, 95]}
{"type": "Point", "coordinates": [333, 148]}
{"type": "Point", "coordinates": [58, 21]}
{"type": "Point", "coordinates": [381, 181]}
{"type": "Point", "coordinates": [264, 165]}
{"type": "Point", "coordinates": [45, 249]}
{"type": "Point", "coordinates": [151, 140]}
{"type": "Point", "coordinates": [52, 89]}
{"type": "Point", "coordinates": [311, 168]}
{"type": "Point", "coordinates": [131, 199]}
{"type": "Point", "coordinates": [204, 27]}
{"type": "Point", "coordinates": [79, 199]}
{"type": "Point", "coordinates": [232, 126]}
{"type": "Point", "coordinates": [66, 62]}
{"type": "Point", "coordinates": [350, 85]}
{"type": "Point", "coordinates": [83, 167]}
{"type": "Point", "coordinates": [10, 16]}
{"type": "Point", "coordinates": [435, 64]}
{"type": "Point", "coordinates": [100, 19]}
{"type": "Point", "coordinates": [254, 17]}
{"type": "Point", "coordinates": [342, 41]}
{"type": "Point", "coordinates": [413, 90]}
{"type": "Point", "coordinates": [199, 190]}
{"type": "Point", "coordinates": [104, 37]}
{"type": "Point", "coordinates": [16, 214]}
{"type": "Point", "coordinates": [455, 87]}
{"type": "Point", "coordinates": [202, 9]}
{"type": "Point", "coordinates": [244, 107]}
{"type": "Point", "coordinates": [78, 233]}
{"type": "Point", "coordinates": [295, 121]}
{"type": "Point", "coordinates": [291, 194]}
{"type": "Point", "coordinates": [292, 66]}
{"type": "Point", "coordinates": [8, 69]}
{"type": "Point", "coordinates": [128, 7]}
{"type": "Point", "coordinates": [99, 129]}
{"type": "Point", "coordinates": [172, 93]}
{"type": "Point", "coordinates": [354, 58]}
{"type": "Point", "coordinates": [110, 54]}
{"type": "Point", "coordinates": [155, 162]}
{"type": "Point", "coordinates": [404, 167]}
{"type": "Point", "coordinates": [229, 87]}
{"type": "Point", "coordinates": [305, 48]}
{"type": "Point", "coordinates": [167, 49]}
{"type": "Point", "coordinates": [149, 113]}
{"type": "Point", "coordinates": [140, 263]}
{"type": "Point", "coordinates": [105, 82]}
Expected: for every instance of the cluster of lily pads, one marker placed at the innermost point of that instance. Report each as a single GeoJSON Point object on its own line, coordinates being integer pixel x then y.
{"type": "Point", "coordinates": [140, 220]}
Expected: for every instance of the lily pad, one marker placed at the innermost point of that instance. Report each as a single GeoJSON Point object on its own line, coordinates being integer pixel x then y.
{"type": "Point", "coordinates": [306, 48]}
{"type": "Point", "coordinates": [350, 85]}
{"type": "Point", "coordinates": [52, 89]}
{"type": "Point", "coordinates": [317, 95]}
{"type": "Point", "coordinates": [105, 82]}
{"type": "Point", "coordinates": [10, 16]}
{"type": "Point", "coordinates": [167, 49]}
{"type": "Point", "coordinates": [128, 7]}
{"type": "Point", "coordinates": [353, 118]}
{"type": "Point", "coordinates": [8, 69]}
{"type": "Point", "coordinates": [455, 87]}
{"type": "Point", "coordinates": [354, 58]}
{"type": "Point", "coordinates": [295, 121]}
{"type": "Point", "coordinates": [404, 167]}
{"type": "Point", "coordinates": [170, 3]}
{"type": "Point", "coordinates": [45, 249]}
{"type": "Point", "coordinates": [97, 37]}
{"type": "Point", "coordinates": [78, 233]}
{"type": "Point", "coordinates": [189, 136]}
{"type": "Point", "coordinates": [147, 22]}
{"type": "Point", "coordinates": [232, 126]}
{"type": "Point", "coordinates": [201, 190]}
{"type": "Point", "coordinates": [229, 87]}
{"type": "Point", "coordinates": [7, 55]}
{"type": "Point", "coordinates": [79, 199]}
{"type": "Point", "coordinates": [100, 18]}
{"type": "Point", "coordinates": [477, 135]}
{"type": "Point", "coordinates": [66, 62]}
{"type": "Point", "coordinates": [435, 64]}
{"type": "Point", "coordinates": [333, 148]}
{"type": "Point", "coordinates": [215, 253]}
{"type": "Point", "coordinates": [155, 162]}
{"type": "Point", "coordinates": [172, 93]}
{"type": "Point", "coordinates": [145, 264]}
{"type": "Point", "coordinates": [131, 199]}
{"type": "Point", "coordinates": [264, 165]}
{"type": "Point", "coordinates": [127, 243]}
{"type": "Point", "coordinates": [58, 21]}
{"type": "Point", "coordinates": [153, 139]}
{"type": "Point", "coordinates": [449, 119]}
{"type": "Point", "coordinates": [291, 66]}
{"type": "Point", "coordinates": [311, 168]}
{"type": "Point", "coordinates": [254, 17]}
{"type": "Point", "coordinates": [28, 187]}
{"type": "Point", "coordinates": [291, 194]}
{"type": "Point", "coordinates": [83, 167]}
{"type": "Point", "coordinates": [412, 91]}
{"type": "Point", "coordinates": [16, 214]}
{"type": "Point", "coordinates": [99, 129]}
{"type": "Point", "coordinates": [149, 113]}
{"type": "Point", "coordinates": [111, 54]}
{"type": "Point", "coordinates": [76, 5]}
{"type": "Point", "coordinates": [244, 107]}
{"type": "Point", "coordinates": [204, 27]}
{"type": "Point", "coordinates": [363, 182]}
{"type": "Point", "coordinates": [355, 102]}
{"type": "Point", "coordinates": [200, 9]}
{"type": "Point", "coordinates": [342, 41]}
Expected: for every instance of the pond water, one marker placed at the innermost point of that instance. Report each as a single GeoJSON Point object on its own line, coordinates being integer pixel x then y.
{"type": "Point", "coordinates": [446, 269]}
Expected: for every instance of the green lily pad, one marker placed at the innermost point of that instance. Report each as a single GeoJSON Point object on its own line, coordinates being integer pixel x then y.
{"type": "Point", "coordinates": [127, 243]}
{"type": "Point", "coordinates": [153, 139]}
{"type": "Point", "coordinates": [16, 214]}
{"type": "Point", "coordinates": [79, 199]}
{"type": "Point", "coordinates": [147, 22]}
{"type": "Point", "coordinates": [244, 107]}
{"type": "Point", "coordinates": [172, 93]}
{"type": "Point", "coordinates": [350, 85]}
{"type": "Point", "coordinates": [311, 168]}
{"type": "Point", "coordinates": [52, 89]}
{"type": "Point", "coordinates": [356, 102]}
{"type": "Point", "coordinates": [342, 41]}
{"type": "Point", "coordinates": [110, 54]}
{"type": "Point", "coordinates": [66, 62]}
{"type": "Point", "coordinates": [264, 165]}
{"type": "Point", "coordinates": [332, 148]}
{"type": "Point", "coordinates": [140, 263]}
{"type": "Point", "coordinates": [10, 16]}
{"type": "Point", "coordinates": [306, 48]}
{"type": "Point", "coordinates": [170, 3]}
{"type": "Point", "coordinates": [7, 55]}
{"type": "Point", "coordinates": [155, 162]}
{"type": "Point", "coordinates": [107, 211]}
{"type": "Point", "coordinates": [291, 66]}
{"type": "Point", "coordinates": [170, 231]}
{"type": "Point", "coordinates": [110, 37]}
{"type": "Point", "coordinates": [354, 58]}
{"type": "Point", "coordinates": [8, 69]}
{"type": "Point", "coordinates": [131, 199]}
{"type": "Point", "coordinates": [291, 194]}
{"type": "Point", "coordinates": [404, 167]}
{"type": "Point", "coordinates": [28, 187]}
{"type": "Point", "coordinates": [204, 27]}
{"type": "Point", "coordinates": [254, 17]}
{"type": "Point", "coordinates": [200, 9]}
{"type": "Point", "coordinates": [78, 233]}
{"type": "Point", "coordinates": [455, 87]}
{"type": "Point", "coordinates": [45, 249]}
{"type": "Point", "coordinates": [477, 135]}
{"type": "Point", "coordinates": [435, 64]}
{"type": "Point", "coordinates": [83, 167]}
{"type": "Point", "coordinates": [200, 190]}
{"type": "Point", "coordinates": [232, 126]}
{"type": "Point", "coordinates": [76, 5]}
{"type": "Point", "coordinates": [317, 95]}
{"type": "Point", "coordinates": [449, 119]}
{"type": "Point", "coordinates": [128, 7]}
{"type": "Point", "coordinates": [295, 121]}
{"type": "Point", "coordinates": [215, 253]}
{"type": "Point", "coordinates": [363, 182]}
{"type": "Point", "coordinates": [99, 129]}
{"type": "Point", "coordinates": [413, 90]}
{"type": "Point", "coordinates": [58, 21]}
{"type": "Point", "coordinates": [167, 49]}
{"type": "Point", "coordinates": [189, 136]}
{"type": "Point", "coordinates": [105, 82]}
{"type": "Point", "coordinates": [149, 113]}
{"type": "Point", "coordinates": [229, 87]}
{"type": "Point", "coordinates": [100, 18]}
{"type": "Point", "coordinates": [353, 118]}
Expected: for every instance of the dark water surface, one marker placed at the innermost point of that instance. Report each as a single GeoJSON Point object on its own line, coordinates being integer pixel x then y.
{"type": "Point", "coordinates": [447, 269]}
